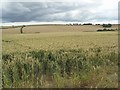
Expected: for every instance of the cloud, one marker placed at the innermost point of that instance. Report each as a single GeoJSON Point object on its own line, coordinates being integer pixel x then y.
{"type": "Point", "coordinates": [72, 11]}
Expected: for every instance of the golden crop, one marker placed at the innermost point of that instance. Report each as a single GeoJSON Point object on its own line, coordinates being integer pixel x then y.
{"type": "Point", "coordinates": [60, 59]}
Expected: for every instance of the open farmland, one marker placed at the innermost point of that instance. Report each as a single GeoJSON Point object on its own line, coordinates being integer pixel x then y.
{"type": "Point", "coordinates": [56, 28]}
{"type": "Point", "coordinates": [56, 41]}
{"type": "Point", "coordinates": [60, 56]}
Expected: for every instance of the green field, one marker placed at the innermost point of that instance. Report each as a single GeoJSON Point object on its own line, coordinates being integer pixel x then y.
{"type": "Point", "coordinates": [60, 59]}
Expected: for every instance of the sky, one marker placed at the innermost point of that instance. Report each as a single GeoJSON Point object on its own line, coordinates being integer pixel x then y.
{"type": "Point", "coordinates": [59, 11]}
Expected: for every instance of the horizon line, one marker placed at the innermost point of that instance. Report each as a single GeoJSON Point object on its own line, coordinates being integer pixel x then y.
{"type": "Point", "coordinates": [43, 23]}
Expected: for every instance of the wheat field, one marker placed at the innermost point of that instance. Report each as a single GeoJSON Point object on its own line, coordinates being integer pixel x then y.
{"type": "Point", "coordinates": [60, 57]}
{"type": "Point", "coordinates": [56, 28]}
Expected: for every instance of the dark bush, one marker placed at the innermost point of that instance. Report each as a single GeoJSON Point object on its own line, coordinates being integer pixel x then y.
{"type": "Point", "coordinates": [87, 24]}
{"type": "Point", "coordinates": [107, 25]}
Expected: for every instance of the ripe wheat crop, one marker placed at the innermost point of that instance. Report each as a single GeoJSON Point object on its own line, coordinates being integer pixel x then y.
{"type": "Point", "coordinates": [66, 59]}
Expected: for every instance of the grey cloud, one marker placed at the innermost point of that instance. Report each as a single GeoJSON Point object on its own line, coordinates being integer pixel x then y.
{"type": "Point", "coordinates": [54, 11]}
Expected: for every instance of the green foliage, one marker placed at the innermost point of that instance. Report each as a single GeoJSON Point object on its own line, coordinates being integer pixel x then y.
{"type": "Point", "coordinates": [61, 68]}
{"type": "Point", "coordinates": [107, 25]}
{"type": "Point", "coordinates": [106, 29]}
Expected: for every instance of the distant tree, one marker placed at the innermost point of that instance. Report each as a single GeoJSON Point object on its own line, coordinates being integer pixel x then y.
{"type": "Point", "coordinates": [107, 25]}
{"type": "Point", "coordinates": [87, 24]}
{"type": "Point", "coordinates": [75, 24]}
{"type": "Point", "coordinates": [97, 24]}
{"type": "Point", "coordinates": [21, 29]}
